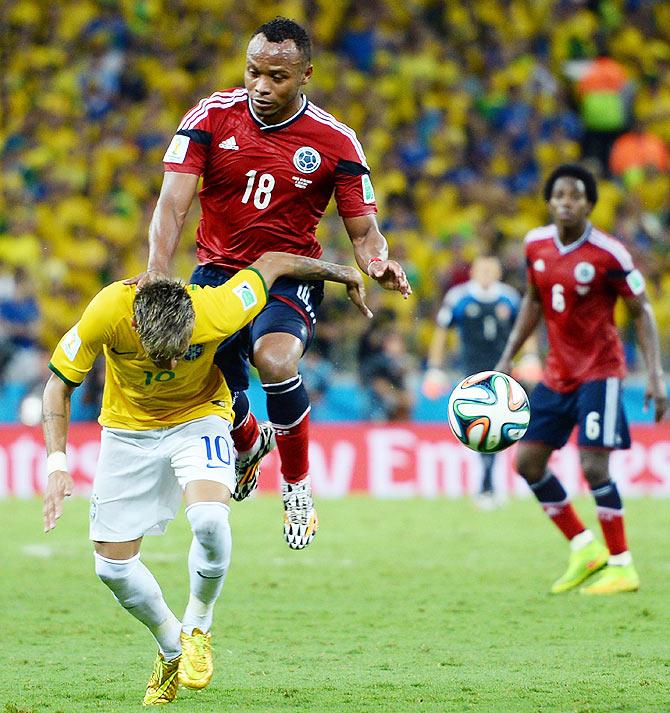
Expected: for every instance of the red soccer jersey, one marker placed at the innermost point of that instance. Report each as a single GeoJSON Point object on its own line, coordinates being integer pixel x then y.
{"type": "Point", "coordinates": [578, 286]}
{"type": "Point", "coordinates": [266, 187]}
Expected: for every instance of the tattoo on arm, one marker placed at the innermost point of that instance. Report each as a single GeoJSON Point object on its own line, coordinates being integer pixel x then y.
{"type": "Point", "coordinates": [54, 426]}
{"type": "Point", "coordinates": [312, 269]}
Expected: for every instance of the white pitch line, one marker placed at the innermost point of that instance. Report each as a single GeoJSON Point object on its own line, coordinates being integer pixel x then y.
{"type": "Point", "coordinates": [41, 551]}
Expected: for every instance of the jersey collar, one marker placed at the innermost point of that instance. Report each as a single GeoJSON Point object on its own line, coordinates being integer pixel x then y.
{"type": "Point", "coordinates": [485, 294]}
{"type": "Point", "coordinates": [275, 127]}
{"type": "Point", "coordinates": [563, 249]}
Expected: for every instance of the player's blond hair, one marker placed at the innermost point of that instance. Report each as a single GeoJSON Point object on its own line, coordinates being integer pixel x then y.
{"type": "Point", "coordinates": [164, 318]}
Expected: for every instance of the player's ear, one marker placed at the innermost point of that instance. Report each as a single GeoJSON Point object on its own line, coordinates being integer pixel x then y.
{"type": "Point", "coordinates": [133, 323]}
{"type": "Point", "coordinates": [307, 74]}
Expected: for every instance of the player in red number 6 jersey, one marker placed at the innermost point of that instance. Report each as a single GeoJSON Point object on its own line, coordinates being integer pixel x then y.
{"type": "Point", "coordinates": [270, 161]}
{"type": "Point", "coordinates": [575, 275]}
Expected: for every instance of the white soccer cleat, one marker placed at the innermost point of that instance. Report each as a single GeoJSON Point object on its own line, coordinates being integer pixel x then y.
{"type": "Point", "coordinates": [300, 519]}
{"type": "Point", "coordinates": [248, 468]}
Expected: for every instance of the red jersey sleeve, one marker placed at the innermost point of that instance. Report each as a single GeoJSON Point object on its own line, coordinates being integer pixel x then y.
{"type": "Point", "coordinates": [622, 275]}
{"type": "Point", "coordinates": [189, 148]}
{"type": "Point", "coordinates": [530, 275]}
{"type": "Point", "coordinates": [354, 194]}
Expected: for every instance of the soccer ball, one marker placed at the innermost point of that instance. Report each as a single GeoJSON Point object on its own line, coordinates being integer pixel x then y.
{"type": "Point", "coordinates": [488, 411]}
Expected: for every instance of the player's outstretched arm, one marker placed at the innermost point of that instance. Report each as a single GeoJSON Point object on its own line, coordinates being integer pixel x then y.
{"type": "Point", "coordinates": [646, 331]}
{"type": "Point", "coordinates": [525, 324]}
{"type": "Point", "coordinates": [55, 422]}
{"type": "Point", "coordinates": [174, 201]}
{"type": "Point", "coordinates": [371, 252]}
{"type": "Point", "coordinates": [272, 265]}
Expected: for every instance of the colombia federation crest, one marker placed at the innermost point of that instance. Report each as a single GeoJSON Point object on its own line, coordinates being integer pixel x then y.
{"type": "Point", "coordinates": [306, 159]}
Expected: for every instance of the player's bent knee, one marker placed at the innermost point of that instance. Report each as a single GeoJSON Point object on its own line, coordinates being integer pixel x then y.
{"type": "Point", "coordinates": [530, 471]}
{"type": "Point", "coordinates": [116, 574]}
{"type": "Point", "coordinates": [531, 462]}
{"type": "Point", "coordinates": [112, 571]}
{"type": "Point", "coordinates": [277, 371]}
{"type": "Point", "coordinates": [208, 520]}
{"type": "Point", "coordinates": [210, 527]}
{"type": "Point", "coordinates": [527, 469]}
{"type": "Point", "coordinates": [595, 476]}
{"type": "Point", "coordinates": [208, 532]}
{"type": "Point", "coordinates": [275, 365]}
{"type": "Point", "coordinates": [595, 465]}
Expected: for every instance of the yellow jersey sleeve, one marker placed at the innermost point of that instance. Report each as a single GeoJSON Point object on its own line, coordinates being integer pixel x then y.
{"type": "Point", "coordinates": [75, 353]}
{"type": "Point", "coordinates": [222, 311]}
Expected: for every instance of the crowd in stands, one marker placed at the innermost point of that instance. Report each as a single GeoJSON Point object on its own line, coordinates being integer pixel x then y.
{"type": "Point", "coordinates": [463, 108]}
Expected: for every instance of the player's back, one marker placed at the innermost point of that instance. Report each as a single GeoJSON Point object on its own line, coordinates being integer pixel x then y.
{"type": "Point", "coordinates": [138, 394]}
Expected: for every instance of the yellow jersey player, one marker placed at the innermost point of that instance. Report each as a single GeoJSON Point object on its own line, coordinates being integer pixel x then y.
{"type": "Point", "coordinates": [166, 418]}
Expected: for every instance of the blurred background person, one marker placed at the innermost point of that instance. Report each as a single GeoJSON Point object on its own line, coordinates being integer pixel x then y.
{"type": "Point", "coordinates": [606, 94]}
{"type": "Point", "coordinates": [482, 310]}
{"type": "Point", "coordinates": [20, 350]}
{"type": "Point", "coordinates": [385, 376]}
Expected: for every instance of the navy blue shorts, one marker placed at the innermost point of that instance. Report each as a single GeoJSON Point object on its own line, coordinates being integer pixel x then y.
{"type": "Point", "coordinates": [595, 407]}
{"type": "Point", "coordinates": [291, 309]}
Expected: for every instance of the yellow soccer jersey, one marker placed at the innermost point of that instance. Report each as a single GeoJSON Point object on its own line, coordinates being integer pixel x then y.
{"type": "Point", "coordinates": [138, 395]}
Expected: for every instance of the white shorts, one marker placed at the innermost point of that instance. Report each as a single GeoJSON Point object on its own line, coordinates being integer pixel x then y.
{"type": "Point", "coordinates": [141, 475]}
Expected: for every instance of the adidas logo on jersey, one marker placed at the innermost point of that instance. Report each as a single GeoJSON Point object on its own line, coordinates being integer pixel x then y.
{"type": "Point", "coordinates": [229, 144]}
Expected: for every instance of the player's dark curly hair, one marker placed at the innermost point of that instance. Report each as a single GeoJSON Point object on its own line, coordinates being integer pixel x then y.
{"type": "Point", "coordinates": [164, 318]}
{"type": "Point", "coordinates": [281, 28]}
{"type": "Point", "coordinates": [573, 170]}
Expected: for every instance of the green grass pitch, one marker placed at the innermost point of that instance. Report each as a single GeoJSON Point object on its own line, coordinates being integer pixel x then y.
{"type": "Point", "coordinates": [420, 605]}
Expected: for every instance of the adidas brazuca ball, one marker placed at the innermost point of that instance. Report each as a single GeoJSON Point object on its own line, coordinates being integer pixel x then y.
{"type": "Point", "coordinates": [488, 411]}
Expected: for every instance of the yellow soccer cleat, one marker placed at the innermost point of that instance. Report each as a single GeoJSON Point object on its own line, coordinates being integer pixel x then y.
{"type": "Point", "coordinates": [300, 520]}
{"type": "Point", "coordinates": [582, 564]}
{"type": "Point", "coordinates": [197, 663]}
{"type": "Point", "coordinates": [163, 684]}
{"type": "Point", "coordinates": [614, 579]}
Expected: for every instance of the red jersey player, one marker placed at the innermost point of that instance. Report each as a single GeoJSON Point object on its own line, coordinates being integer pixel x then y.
{"type": "Point", "coordinates": [576, 273]}
{"type": "Point", "coordinates": [270, 162]}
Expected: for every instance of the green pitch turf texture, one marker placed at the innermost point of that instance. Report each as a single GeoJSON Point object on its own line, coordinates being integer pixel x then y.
{"type": "Point", "coordinates": [396, 606]}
